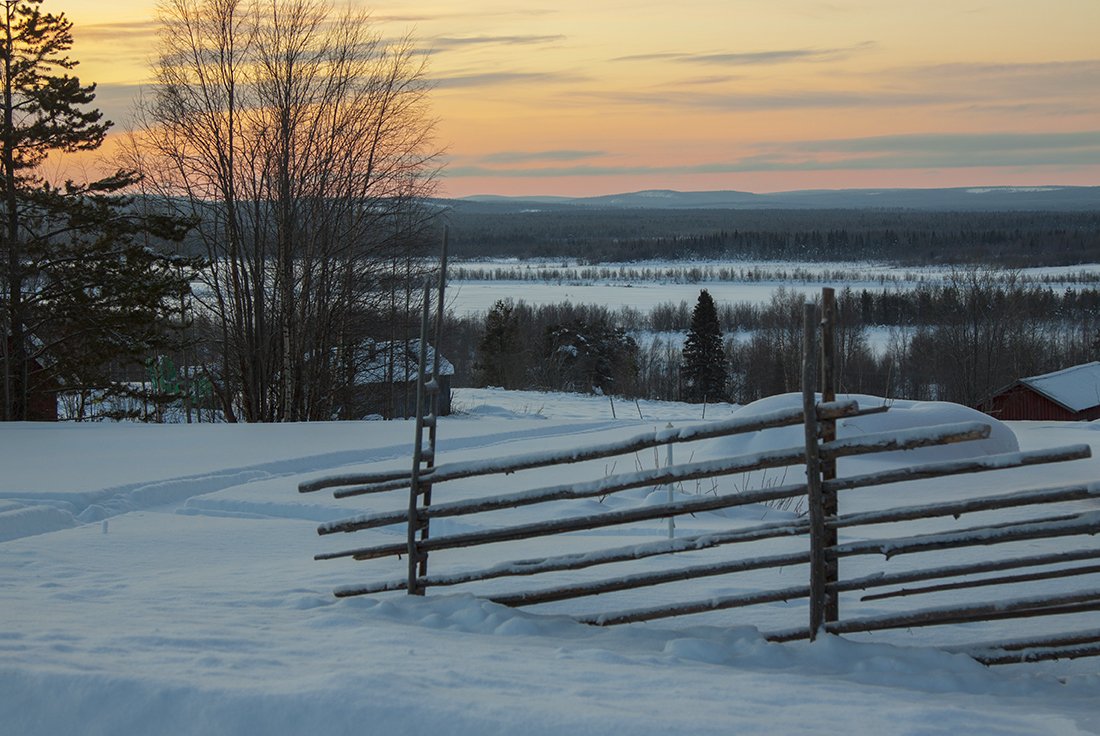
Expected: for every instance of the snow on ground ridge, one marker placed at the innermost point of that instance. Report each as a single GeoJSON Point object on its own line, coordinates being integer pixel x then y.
{"type": "Point", "coordinates": [207, 614]}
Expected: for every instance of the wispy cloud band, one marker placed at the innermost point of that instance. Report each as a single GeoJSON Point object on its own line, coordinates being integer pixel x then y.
{"type": "Point", "coordinates": [922, 151]}
{"type": "Point", "coordinates": [745, 58]}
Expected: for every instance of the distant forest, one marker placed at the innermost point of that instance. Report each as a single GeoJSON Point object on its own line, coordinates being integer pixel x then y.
{"type": "Point", "coordinates": [1005, 239]}
{"type": "Point", "coordinates": [959, 341]}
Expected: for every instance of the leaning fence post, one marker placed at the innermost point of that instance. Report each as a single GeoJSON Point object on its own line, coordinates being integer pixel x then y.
{"type": "Point", "coordinates": [435, 400]}
{"type": "Point", "coordinates": [414, 587]}
{"type": "Point", "coordinates": [813, 474]}
{"type": "Point", "coordinates": [668, 464]}
{"type": "Point", "coordinates": [828, 434]}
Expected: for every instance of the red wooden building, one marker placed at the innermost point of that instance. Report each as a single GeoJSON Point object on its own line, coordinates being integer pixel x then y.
{"type": "Point", "coordinates": [42, 398]}
{"type": "Point", "coordinates": [1071, 394]}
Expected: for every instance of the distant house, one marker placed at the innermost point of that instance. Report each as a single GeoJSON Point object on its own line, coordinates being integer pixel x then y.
{"type": "Point", "coordinates": [42, 398]}
{"type": "Point", "coordinates": [1072, 394]}
{"type": "Point", "coordinates": [386, 384]}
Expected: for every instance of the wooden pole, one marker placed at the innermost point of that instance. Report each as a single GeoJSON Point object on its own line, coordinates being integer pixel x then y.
{"type": "Point", "coordinates": [435, 394]}
{"type": "Point", "coordinates": [716, 603]}
{"type": "Point", "coordinates": [828, 434]}
{"type": "Point", "coordinates": [1056, 646]}
{"type": "Point", "coordinates": [578, 561]}
{"type": "Point", "coordinates": [695, 504]}
{"type": "Point", "coordinates": [631, 582]}
{"type": "Point", "coordinates": [882, 580]}
{"type": "Point", "coordinates": [1000, 580]}
{"type": "Point", "coordinates": [734, 465]}
{"type": "Point", "coordinates": [380, 482]}
{"type": "Point", "coordinates": [813, 476]}
{"type": "Point", "coordinates": [412, 548]}
{"type": "Point", "coordinates": [1045, 528]}
{"type": "Point", "coordinates": [1077, 602]}
{"type": "Point", "coordinates": [1037, 655]}
{"type": "Point", "coordinates": [671, 488]}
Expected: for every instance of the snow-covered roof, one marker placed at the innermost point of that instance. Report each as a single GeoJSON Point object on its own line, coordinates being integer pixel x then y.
{"type": "Point", "coordinates": [405, 357]}
{"type": "Point", "coordinates": [1076, 388]}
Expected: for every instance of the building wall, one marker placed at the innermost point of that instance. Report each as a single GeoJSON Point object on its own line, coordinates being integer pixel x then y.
{"type": "Point", "coordinates": [1022, 403]}
{"type": "Point", "coordinates": [372, 399]}
{"type": "Point", "coordinates": [42, 399]}
{"type": "Point", "coordinates": [42, 406]}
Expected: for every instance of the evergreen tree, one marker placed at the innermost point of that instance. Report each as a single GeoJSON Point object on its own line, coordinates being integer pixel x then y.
{"type": "Point", "coordinates": [592, 357]}
{"type": "Point", "coordinates": [81, 288]}
{"type": "Point", "coordinates": [499, 353]}
{"type": "Point", "coordinates": [704, 368]}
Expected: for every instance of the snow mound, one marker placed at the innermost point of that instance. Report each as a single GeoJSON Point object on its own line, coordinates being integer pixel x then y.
{"type": "Point", "coordinates": [500, 412]}
{"type": "Point", "coordinates": [31, 520]}
{"type": "Point", "coordinates": [902, 414]}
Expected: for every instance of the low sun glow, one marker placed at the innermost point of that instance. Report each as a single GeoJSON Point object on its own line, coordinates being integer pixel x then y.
{"type": "Point", "coordinates": [580, 98]}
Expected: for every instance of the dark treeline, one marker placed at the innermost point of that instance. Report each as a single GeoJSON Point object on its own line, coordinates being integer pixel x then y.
{"type": "Point", "coordinates": [923, 306]}
{"type": "Point", "coordinates": [694, 272]}
{"type": "Point", "coordinates": [959, 341]}
{"type": "Point", "coordinates": [1010, 239]}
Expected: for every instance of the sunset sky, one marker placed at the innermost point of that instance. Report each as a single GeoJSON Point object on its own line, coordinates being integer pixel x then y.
{"type": "Point", "coordinates": [579, 97]}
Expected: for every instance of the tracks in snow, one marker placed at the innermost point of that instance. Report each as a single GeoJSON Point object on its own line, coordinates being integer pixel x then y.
{"type": "Point", "coordinates": [27, 513]}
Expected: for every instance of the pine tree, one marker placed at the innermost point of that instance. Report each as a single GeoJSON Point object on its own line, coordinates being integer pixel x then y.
{"type": "Point", "coordinates": [704, 369]}
{"type": "Point", "coordinates": [80, 287]}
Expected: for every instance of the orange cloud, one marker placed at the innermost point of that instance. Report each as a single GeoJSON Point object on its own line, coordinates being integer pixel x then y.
{"type": "Point", "coordinates": [586, 98]}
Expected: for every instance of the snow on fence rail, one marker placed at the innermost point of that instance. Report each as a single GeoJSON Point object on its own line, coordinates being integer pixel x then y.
{"type": "Point", "coordinates": [818, 527]}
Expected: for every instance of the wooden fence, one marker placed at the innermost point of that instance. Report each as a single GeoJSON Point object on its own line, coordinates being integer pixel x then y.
{"type": "Point", "coordinates": [818, 527]}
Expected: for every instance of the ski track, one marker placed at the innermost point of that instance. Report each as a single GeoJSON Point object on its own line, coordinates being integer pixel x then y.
{"type": "Point", "coordinates": [25, 514]}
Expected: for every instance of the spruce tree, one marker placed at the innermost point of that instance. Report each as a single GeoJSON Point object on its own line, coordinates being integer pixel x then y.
{"type": "Point", "coordinates": [704, 368]}
{"type": "Point", "coordinates": [81, 288]}
{"type": "Point", "coordinates": [499, 359]}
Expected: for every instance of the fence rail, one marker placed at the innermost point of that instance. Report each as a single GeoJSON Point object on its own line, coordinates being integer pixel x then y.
{"type": "Point", "coordinates": [821, 555]}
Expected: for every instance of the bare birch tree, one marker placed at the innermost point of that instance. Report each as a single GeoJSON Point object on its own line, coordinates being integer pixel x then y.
{"type": "Point", "coordinates": [301, 143]}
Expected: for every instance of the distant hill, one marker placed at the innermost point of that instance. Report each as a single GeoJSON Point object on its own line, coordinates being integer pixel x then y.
{"type": "Point", "coordinates": [1038, 198]}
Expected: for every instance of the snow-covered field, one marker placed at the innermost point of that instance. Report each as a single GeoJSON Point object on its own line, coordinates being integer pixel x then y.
{"type": "Point", "coordinates": [160, 580]}
{"type": "Point", "coordinates": [478, 297]}
{"type": "Point", "coordinates": [660, 282]}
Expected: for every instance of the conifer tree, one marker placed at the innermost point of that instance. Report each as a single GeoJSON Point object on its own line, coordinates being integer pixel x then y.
{"type": "Point", "coordinates": [80, 288]}
{"type": "Point", "coordinates": [705, 371]}
{"type": "Point", "coordinates": [499, 359]}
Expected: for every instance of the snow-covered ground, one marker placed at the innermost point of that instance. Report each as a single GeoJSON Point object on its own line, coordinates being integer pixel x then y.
{"type": "Point", "coordinates": [160, 580]}
{"type": "Point", "coordinates": [477, 297]}
{"type": "Point", "coordinates": [662, 282]}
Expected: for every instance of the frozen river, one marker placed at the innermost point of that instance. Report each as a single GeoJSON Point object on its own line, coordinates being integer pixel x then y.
{"type": "Point", "coordinates": [643, 286]}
